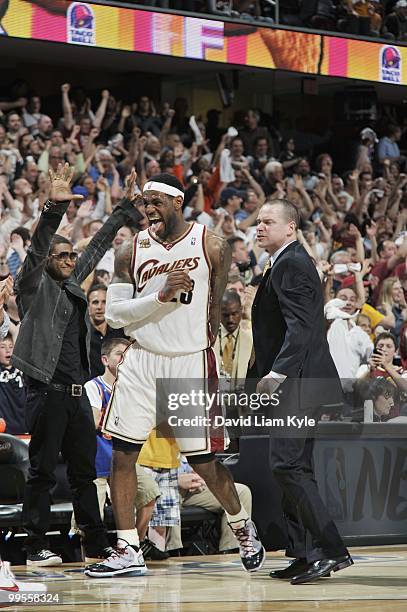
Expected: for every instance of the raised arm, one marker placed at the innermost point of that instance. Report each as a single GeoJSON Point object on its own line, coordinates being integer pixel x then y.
{"type": "Point", "coordinates": [27, 280]}
{"type": "Point", "coordinates": [126, 211]}
{"type": "Point", "coordinates": [220, 256]}
{"type": "Point", "coordinates": [101, 111]}
{"type": "Point", "coordinates": [66, 107]}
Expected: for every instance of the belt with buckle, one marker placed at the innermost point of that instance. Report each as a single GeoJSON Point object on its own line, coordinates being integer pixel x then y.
{"type": "Point", "coordinates": [73, 390]}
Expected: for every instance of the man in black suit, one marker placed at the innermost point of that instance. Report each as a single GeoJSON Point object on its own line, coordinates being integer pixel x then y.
{"type": "Point", "coordinates": [292, 355]}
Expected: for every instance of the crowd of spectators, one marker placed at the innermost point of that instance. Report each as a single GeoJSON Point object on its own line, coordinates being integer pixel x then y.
{"type": "Point", "coordinates": [353, 224]}
{"type": "Point", "coordinates": [247, 10]}
{"type": "Point", "coordinates": [386, 20]}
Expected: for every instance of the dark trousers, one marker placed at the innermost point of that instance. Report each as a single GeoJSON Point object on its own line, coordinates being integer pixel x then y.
{"type": "Point", "coordinates": [312, 533]}
{"type": "Point", "coordinates": [61, 423]}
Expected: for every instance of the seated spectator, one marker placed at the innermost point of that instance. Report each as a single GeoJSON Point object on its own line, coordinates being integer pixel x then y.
{"type": "Point", "coordinates": [381, 365]}
{"type": "Point", "coordinates": [383, 395]}
{"type": "Point", "coordinates": [234, 343]}
{"type": "Point", "coordinates": [324, 16]}
{"type": "Point", "coordinates": [12, 390]}
{"type": "Point", "coordinates": [193, 492]}
{"type": "Point", "coordinates": [358, 19]}
{"type": "Point", "coordinates": [395, 24]}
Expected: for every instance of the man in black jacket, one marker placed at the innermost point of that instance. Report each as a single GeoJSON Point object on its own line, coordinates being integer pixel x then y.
{"type": "Point", "coordinates": [292, 353]}
{"type": "Point", "coordinates": [52, 350]}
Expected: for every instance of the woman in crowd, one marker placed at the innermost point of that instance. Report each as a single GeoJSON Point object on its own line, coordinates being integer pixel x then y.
{"type": "Point", "coordinates": [392, 294]}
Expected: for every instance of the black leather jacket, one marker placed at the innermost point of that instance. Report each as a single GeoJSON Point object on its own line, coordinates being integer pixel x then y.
{"type": "Point", "coordinates": [43, 305]}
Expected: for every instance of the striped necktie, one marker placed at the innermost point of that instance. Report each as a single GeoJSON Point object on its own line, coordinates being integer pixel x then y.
{"type": "Point", "coordinates": [228, 354]}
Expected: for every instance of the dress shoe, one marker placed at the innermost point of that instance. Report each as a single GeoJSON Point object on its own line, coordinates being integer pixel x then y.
{"type": "Point", "coordinates": [298, 566]}
{"type": "Point", "coordinates": [322, 568]}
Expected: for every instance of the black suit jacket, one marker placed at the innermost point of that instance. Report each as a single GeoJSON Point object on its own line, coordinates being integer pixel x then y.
{"type": "Point", "coordinates": [289, 333]}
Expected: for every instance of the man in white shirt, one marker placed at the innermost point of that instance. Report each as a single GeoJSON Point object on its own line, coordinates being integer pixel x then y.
{"type": "Point", "coordinates": [349, 345]}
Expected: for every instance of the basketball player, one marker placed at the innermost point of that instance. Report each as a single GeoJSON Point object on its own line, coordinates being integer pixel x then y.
{"type": "Point", "coordinates": [166, 293]}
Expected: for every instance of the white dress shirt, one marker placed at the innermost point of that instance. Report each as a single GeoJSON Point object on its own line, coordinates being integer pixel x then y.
{"type": "Point", "coordinates": [272, 374]}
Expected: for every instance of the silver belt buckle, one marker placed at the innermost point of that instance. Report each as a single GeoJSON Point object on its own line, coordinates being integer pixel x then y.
{"type": "Point", "coordinates": [76, 391]}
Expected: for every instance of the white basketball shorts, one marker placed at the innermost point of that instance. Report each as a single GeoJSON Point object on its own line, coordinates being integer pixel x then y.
{"type": "Point", "coordinates": [132, 412]}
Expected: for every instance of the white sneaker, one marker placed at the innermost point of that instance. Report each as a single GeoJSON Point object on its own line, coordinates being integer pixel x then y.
{"type": "Point", "coordinates": [123, 560]}
{"type": "Point", "coordinates": [43, 558]}
{"type": "Point", "coordinates": [9, 585]}
{"type": "Point", "coordinates": [252, 552]}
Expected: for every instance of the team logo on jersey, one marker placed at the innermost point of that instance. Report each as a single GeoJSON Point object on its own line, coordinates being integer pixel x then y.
{"type": "Point", "coordinates": [390, 64]}
{"type": "Point", "coordinates": [144, 243]}
{"type": "Point", "coordinates": [81, 24]}
{"type": "Point", "coordinates": [193, 241]}
{"type": "Point", "coordinates": [153, 267]}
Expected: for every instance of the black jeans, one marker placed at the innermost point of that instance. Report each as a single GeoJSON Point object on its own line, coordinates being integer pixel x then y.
{"type": "Point", "coordinates": [312, 533]}
{"type": "Point", "coordinates": [61, 423]}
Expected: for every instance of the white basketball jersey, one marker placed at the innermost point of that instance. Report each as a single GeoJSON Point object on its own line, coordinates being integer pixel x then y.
{"type": "Point", "coordinates": [181, 326]}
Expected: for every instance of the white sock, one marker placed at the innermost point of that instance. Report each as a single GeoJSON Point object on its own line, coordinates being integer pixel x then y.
{"type": "Point", "coordinates": [240, 517]}
{"type": "Point", "coordinates": [130, 536]}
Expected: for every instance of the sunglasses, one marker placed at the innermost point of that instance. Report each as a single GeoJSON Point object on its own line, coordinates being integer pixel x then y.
{"type": "Point", "coordinates": [65, 255]}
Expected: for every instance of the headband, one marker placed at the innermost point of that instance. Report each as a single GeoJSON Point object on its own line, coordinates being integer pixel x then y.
{"type": "Point", "coordinates": [163, 188]}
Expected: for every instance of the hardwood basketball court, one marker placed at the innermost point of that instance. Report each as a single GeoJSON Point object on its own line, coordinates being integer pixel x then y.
{"type": "Point", "coordinates": [377, 582]}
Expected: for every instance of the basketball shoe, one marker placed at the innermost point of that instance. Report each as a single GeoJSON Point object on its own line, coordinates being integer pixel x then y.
{"type": "Point", "coordinates": [8, 583]}
{"type": "Point", "coordinates": [252, 553]}
{"type": "Point", "coordinates": [124, 559]}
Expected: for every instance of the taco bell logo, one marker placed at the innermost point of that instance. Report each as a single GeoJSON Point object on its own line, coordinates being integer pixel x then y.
{"type": "Point", "coordinates": [390, 65]}
{"type": "Point", "coordinates": [81, 24]}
